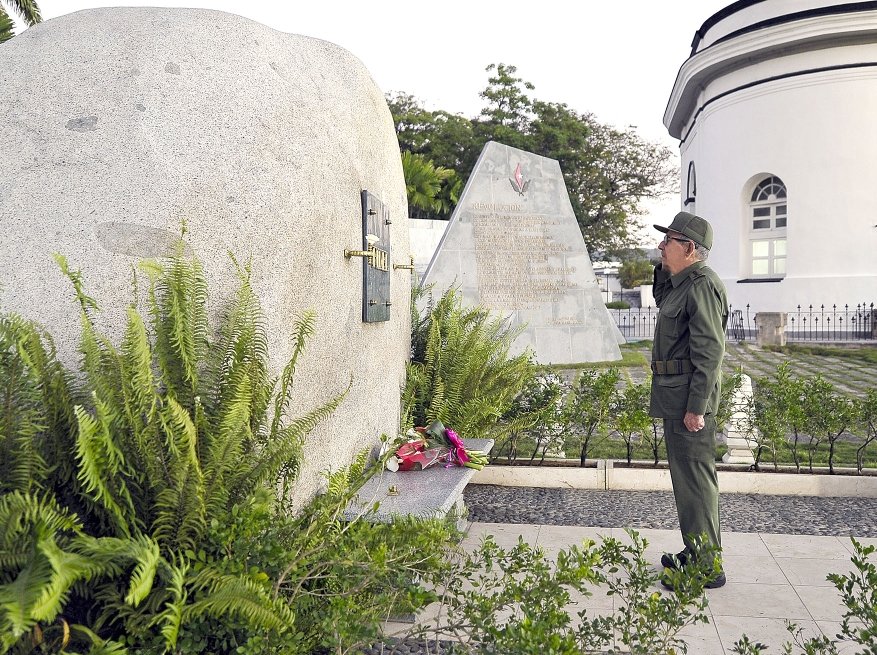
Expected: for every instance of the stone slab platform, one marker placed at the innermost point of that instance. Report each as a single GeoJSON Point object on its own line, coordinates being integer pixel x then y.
{"type": "Point", "coordinates": [432, 493]}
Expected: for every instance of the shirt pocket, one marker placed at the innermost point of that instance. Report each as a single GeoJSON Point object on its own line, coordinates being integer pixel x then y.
{"type": "Point", "coordinates": [670, 321]}
{"type": "Point", "coordinates": [670, 394]}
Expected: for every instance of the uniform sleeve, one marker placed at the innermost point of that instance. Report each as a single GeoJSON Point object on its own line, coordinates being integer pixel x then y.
{"type": "Point", "coordinates": [660, 282]}
{"type": "Point", "coordinates": [706, 343]}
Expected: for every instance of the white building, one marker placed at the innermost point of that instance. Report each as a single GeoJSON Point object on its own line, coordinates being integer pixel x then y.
{"type": "Point", "coordinates": [776, 113]}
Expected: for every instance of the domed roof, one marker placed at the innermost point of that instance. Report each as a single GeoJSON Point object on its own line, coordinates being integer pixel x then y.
{"type": "Point", "coordinates": [746, 16]}
{"type": "Point", "coordinates": [748, 32]}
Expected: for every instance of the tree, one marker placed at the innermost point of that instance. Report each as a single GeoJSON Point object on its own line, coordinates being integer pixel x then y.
{"type": "Point", "coordinates": [424, 182]}
{"type": "Point", "coordinates": [630, 414]}
{"type": "Point", "coordinates": [635, 272]}
{"type": "Point", "coordinates": [508, 114]}
{"type": "Point", "coordinates": [607, 171]}
{"type": "Point", "coordinates": [443, 140]}
{"type": "Point", "coordinates": [26, 10]}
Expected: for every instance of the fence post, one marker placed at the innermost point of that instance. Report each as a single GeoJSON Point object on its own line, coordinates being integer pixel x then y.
{"type": "Point", "coordinates": [737, 429]}
{"type": "Point", "coordinates": [873, 323]}
{"type": "Point", "coordinates": [771, 328]}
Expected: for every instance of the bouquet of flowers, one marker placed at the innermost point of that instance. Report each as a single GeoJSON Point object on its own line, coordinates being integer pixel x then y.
{"type": "Point", "coordinates": [433, 445]}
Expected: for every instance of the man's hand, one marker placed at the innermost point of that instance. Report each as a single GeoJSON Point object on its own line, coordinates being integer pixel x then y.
{"type": "Point", "coordinates": [693, 422]}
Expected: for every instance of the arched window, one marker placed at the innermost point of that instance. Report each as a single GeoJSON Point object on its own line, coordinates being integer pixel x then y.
{"type": "Point", "coordinates": [768, 214]}
{"type": "Point", "coordinates": [691, 190]}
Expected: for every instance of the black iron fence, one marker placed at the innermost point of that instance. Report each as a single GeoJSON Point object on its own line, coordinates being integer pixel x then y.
{"type": "Point", "coordinates": [831, 323]}
{"type": "Point", "coordinates": [811, 323]}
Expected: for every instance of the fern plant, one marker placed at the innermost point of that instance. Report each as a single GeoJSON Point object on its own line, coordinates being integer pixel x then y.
{"type": "Point", "coordinates": [110, 493]}
{"type": "Point", "coordinates": [461, 372]}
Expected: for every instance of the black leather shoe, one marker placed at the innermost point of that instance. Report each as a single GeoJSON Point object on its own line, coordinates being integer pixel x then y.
{"type": "Point", "coordinates": [715, 583]}
{"type": "Point", "coordinates": [669, 561]}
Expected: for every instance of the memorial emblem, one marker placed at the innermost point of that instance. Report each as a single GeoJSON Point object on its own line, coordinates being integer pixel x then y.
{"type": "Point", "coordinates": [519, 184]}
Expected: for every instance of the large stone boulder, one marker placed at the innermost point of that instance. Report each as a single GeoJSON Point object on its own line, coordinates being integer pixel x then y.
{"type": "Point", "coordinates": [118, 124]}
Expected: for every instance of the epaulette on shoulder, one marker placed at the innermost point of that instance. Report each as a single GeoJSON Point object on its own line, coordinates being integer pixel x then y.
{"type": "Point", "coordinates": [697, 273]}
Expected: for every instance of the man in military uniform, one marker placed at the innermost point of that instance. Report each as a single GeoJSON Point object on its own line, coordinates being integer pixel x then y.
{"type": "Point", "coordinates": [686, 378]}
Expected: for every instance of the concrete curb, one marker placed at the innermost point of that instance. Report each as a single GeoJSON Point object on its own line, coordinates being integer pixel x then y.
{"type": "Point", "coordinates": [607, 477]}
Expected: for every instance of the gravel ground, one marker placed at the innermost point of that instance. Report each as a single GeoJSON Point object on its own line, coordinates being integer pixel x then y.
{"type": "Point", "coordinates": [805, 515]}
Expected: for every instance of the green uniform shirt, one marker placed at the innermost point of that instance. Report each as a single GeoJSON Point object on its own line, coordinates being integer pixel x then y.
{"type": "Point", "coordinates": [691, 326]}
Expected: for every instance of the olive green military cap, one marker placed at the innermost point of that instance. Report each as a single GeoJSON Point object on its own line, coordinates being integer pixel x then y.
{"type": "Point", "coordinates": [694, 227]}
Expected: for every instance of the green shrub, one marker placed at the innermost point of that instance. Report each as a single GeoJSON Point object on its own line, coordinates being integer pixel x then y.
{"type": "Point", "coordinates": [461, 372]}
{"type": "Point", "coordinates": [635, 272]}
{"type": "Point", "coordinates": [518, 600]}
{"type": "Point", "coordinates": [629, 415]}
{"type": "Point", "coordinates": [537, 418]}
{"type": "Point", "coordinates": [617, 304]}
{"type": "Point", "coordinates": [117, 499]}
{"type": "Point", "coordinates": [588, 406]}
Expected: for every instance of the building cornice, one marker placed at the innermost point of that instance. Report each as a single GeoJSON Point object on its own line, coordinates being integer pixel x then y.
{"type": "Point", "coordinates": [750, 48]}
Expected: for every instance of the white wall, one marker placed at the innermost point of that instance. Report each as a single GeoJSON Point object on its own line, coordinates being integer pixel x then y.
{"type": "Point", "coordinates": [814, 131]}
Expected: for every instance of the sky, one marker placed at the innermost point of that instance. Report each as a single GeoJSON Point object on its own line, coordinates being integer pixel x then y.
{"type": "Point", "coordinates": [615, 59]}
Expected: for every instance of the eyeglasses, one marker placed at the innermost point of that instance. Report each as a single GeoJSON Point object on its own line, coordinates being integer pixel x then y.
{"type": "Point", "coordinates": [667, 238]}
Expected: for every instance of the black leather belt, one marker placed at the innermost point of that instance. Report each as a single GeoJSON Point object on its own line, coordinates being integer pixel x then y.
{"type": "Point", "coordinates": [672, 367]}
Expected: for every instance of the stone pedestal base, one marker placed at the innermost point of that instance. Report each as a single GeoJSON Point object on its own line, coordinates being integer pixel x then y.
{"type": "Point", "coordinates": [771, 328]}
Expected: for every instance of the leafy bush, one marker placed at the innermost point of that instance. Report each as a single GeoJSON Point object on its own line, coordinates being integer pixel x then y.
{"type": "Point", "coordinates": [630, 415]}
{"type": "Point", "coordinates": [786, 405]}
{"type": "Point", "coordinates": [537, 418]}
{"type": "Point", "coordinates": [635, 272]}
{"type": "Point", "coordinates": [520, 601]}
{"type": "Point", "coordinates": [588, 406]}
{"type": "Point", "coordinates": [141, 511]}
{"type": "Point", "coordinates": [461, 372]}
{"type": "Point", "coordinates": [617, 304]}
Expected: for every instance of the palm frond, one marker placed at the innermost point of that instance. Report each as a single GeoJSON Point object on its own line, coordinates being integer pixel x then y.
{"type": "Point", "coordinates": [28, 10]}
{"type": "Point", "coordinates": [67, 568]}
{"type": "Point", "coordinates": [21, 595]}
{"type": "Point", "coordinates": [37, 574]}
{"type": "Point", "coordinates": [147, 556]}
{"type": "Point", "coordinates": [180, 506]}
{"type": "Point", "coordinates": [36, 409]}
{"type": "Point", "coordinates": [23, 513]}
{"type": "Point", "coordinates": [141, 401]}
{"type": "Point", "coordinates": [22, 420]}
{"type": "Point", "coordinates": [178, 307]}
{"type": "Point", "coordinates": [466, 377]}
{"type": "Point", "coordinates": [86, 303]}
{"type": "Point", "coordinates": [7, 27]}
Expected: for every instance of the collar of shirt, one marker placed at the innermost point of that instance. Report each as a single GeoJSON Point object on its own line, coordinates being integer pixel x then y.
{"type": "Point", "coordinates": [679, 278]}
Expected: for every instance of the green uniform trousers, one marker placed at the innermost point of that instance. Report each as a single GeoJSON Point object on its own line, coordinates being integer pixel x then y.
{"type": "Point", "coordinates": [692, 457]}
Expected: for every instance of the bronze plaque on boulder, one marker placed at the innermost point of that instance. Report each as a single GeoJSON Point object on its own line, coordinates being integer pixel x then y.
{"type": "Point", "coordinates": [376, 268]}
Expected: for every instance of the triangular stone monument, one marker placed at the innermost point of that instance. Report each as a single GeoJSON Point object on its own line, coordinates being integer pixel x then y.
{"type": "Point", "coordinates": [513, 245]}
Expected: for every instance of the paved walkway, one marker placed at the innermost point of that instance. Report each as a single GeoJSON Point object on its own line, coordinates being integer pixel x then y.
{"type": "Point", "coordinates": [771, 578]}
{"type": "Point", "coordinates": [778, 551]}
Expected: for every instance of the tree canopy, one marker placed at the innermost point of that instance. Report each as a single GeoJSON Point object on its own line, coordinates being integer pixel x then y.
{"type": "Point", "coordinates": [26, 10]}
{"type": "Point", "coordinates": [608, 171]}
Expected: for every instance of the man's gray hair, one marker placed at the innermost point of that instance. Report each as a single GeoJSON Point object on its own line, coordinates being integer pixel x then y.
{"type": "Point", "coordinates": [701, 252]}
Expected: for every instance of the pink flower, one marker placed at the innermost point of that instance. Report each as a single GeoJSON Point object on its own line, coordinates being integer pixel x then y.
{"type": "Point", "coordinates": [457, 446]}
